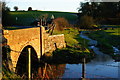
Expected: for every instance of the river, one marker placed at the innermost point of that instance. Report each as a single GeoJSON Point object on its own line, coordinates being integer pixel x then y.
{"type": "Point", "coordinates": [102, 66]}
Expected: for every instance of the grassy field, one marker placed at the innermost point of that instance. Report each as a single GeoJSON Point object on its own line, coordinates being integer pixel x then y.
{"type": "Point", "coordinates": [26, 17]}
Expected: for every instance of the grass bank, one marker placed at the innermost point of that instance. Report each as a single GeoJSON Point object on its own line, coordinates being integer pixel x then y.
{"type": "Point", "coordinates": [106, 39]}
{"type": "Point", "coordinates": [77, 48]}
{"type": "Point", "coordinates": [72, 38]}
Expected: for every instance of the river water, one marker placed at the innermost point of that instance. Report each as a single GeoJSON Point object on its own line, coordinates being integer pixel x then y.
{"type": "Point", "coordinates": [103, 66]}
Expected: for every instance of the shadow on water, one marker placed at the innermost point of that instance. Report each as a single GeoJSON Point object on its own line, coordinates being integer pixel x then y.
{"type": "Point", "coordinates": [50, 71]}
{"type": "Point", "coordinates": [45, 71]}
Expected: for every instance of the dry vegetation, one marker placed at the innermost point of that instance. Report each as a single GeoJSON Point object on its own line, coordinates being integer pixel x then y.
{"type": "Point", "coordinates": [61, 23]}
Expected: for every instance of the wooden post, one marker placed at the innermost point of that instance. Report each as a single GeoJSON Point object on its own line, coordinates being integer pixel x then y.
{"type": "Point", "coordinates": [83, 69]}
{"type": "Point", "coordinates": [41, 46]}
{"type": "Point", "coordinates": [29, 63]}
{"type": "Point", "coordinates": [41, 40]}
{"type": "Point", "coordinates": [41, 22]}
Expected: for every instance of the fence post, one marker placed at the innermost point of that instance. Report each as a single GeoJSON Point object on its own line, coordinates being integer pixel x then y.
{"type": "Point", "coordinates": [83, 69]}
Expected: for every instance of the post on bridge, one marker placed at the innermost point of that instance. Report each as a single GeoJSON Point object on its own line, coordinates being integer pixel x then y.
{"type": "Point", "coordinates": [41, 38]}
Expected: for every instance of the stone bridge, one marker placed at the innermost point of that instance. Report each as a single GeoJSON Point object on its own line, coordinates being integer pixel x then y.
{"type": "Point", "coordinates": [20, 39]}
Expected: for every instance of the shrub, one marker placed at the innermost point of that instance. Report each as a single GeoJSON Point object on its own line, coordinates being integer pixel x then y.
{"type": "Point", "coordinates": [61, 23]}
{"type": "Point", "coordinates": [86, 22]}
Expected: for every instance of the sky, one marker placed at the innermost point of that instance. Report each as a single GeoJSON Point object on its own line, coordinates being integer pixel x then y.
{"type": "Point", "coordinates": [45, 5]}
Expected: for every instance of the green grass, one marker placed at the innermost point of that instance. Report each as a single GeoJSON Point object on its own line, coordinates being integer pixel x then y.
{"type": "Point", "coordinates": [115, 31]}
{"type": "Point", "coordinates": [114, 37]}
{"type": "Point", "coordinates": [72, 37]}
{"type": "Point", "coordinates": [103, 41]}
{"type": "Point", "coordinates": [106, 39]}
{"type": "Point", "coordinates": [11, 28]}
{"type": "Point", "coordinates": [76, 46]}
{"type": "Point", "coordinates": [26, 17]}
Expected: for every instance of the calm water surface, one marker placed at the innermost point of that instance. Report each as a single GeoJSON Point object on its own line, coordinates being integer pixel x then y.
{"type": "Point", "coordinates": [93, 70]}
{"type": "Point", "coordinates": [103, 66]}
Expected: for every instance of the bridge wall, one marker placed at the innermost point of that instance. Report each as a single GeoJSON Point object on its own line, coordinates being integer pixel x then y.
{"type": "Point", "coordinates": [54, 41]}
{"type": "Point", "coordinates": [19, 39]}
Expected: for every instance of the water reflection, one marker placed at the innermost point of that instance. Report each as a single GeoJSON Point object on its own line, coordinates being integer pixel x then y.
{"type": "Point", "coordinates": [49, 71]}
{"type": "Point", "coordinates": [93, 70]}
{"type": "Point", "coordinates": [101, 58]}
{"type": "Point", "coordinates": [97, 71]}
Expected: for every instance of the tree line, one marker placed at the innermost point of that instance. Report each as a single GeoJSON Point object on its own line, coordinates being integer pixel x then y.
{"type": "Point", "coordinates": [100, 13]}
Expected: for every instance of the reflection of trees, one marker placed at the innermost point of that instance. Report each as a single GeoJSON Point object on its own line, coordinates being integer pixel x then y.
{"type": "Point", "coordinates": [50, 71]}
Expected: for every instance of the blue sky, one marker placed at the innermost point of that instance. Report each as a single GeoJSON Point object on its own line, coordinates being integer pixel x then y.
{"type": "Point", "coordinates": [46, 5]}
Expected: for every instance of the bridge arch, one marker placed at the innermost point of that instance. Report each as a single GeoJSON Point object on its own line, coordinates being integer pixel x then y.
{"type": "Point", "coordinates": [34, 43]}
{"type": "Point", "coordinates": [22, 63]}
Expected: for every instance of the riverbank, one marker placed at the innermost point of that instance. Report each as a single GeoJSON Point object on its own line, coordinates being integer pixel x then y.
{"type": "Point", "coordinates": [68, 55]}
{"type": "Point", "coordinates": [77, 48]}
{"type": "Point", "coordinates": [106, 40]}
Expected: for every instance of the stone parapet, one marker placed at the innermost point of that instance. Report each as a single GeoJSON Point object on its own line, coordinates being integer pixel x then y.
{"type": "Point", "coordinates": [53, 42]}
